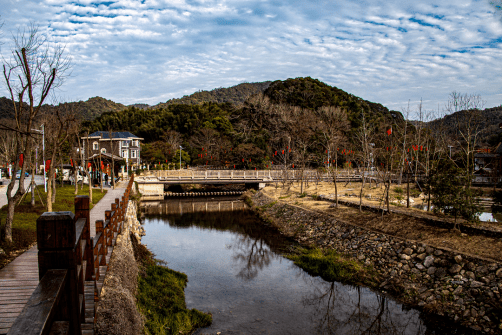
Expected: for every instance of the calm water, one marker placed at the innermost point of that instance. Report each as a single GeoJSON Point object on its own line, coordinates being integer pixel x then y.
{"type": "Point", "coordinates": [235, 272]}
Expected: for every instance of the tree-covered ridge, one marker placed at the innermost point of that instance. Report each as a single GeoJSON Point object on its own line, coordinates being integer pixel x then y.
{"type": "Point", "coordinates": [235, 95]}
{"type": "Point", "coordinates": [312, 94]}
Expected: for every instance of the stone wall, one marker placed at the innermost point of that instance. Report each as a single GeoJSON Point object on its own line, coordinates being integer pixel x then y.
{"type": "Point", "coordinates": [116, 311]}
{"type": "Point", "coordinates": [464, 288]}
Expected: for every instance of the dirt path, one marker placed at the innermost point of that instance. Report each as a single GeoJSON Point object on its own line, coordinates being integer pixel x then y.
{"type": "Point", "coordinates": [397, 225]}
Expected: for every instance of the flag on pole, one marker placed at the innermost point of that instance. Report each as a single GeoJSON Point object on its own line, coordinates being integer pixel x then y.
{"type": "Point", "coordinates": [389, 131]}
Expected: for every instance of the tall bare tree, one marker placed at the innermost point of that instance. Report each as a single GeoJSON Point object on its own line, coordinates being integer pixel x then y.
{"type": "Point", "coordinates": [34, 69]}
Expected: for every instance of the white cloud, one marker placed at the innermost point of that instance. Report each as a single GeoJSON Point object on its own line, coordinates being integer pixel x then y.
{"type": "Point", "coordinates": [388, 52]}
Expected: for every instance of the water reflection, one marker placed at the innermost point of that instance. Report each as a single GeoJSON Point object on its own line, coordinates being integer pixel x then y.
{"type": "Point", "coordinates": [235, 272]}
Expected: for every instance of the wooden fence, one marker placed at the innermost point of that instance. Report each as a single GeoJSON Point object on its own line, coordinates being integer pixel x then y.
{"type": "Point", "coordinates": [72, 267]}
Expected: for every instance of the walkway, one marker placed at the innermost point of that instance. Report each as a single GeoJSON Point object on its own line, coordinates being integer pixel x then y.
{"type": "Point", "coordinates": [19, 278]}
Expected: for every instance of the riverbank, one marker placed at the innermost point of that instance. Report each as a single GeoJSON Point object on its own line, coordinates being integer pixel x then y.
{"type": "Point", "coordinates": [140, 294]}
{"type": "Point", "coordinates": [459, 285]}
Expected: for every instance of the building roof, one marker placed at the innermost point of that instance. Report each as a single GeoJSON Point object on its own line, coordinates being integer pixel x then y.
{"type": "Point", "coordinates": [115, 135]}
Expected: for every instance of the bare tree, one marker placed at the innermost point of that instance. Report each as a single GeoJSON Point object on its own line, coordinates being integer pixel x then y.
{"type": "Point", "coordinates": [34, 69]}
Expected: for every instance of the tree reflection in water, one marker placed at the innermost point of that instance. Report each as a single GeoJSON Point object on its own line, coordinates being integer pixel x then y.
{"type": "Point", "coordinates": [254, 254]}
{"type": "Point", "coordinates": [339, 310]}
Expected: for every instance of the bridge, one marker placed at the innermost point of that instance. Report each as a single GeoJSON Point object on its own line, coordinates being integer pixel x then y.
{"type": "Point", "coordinates": [152, 184]}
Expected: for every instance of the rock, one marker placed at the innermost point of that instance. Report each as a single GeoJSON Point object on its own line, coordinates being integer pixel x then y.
{"type": "Point", "coordinates": [467, 313]}
{"type": "Point", "coordinates": [458, 290]}
{"type": "Point", "coordinates": [475, 284]}
{"type": "Point", "coordinates": [471, 266]}
{"type": "Point", "coordinates": [438, 252]}
{"type": "Point", "coordinates": [405, 257]}
{"type": "Point", "coordinates": [440, 272]}
{"type": "Point", "coordinates": [408, 251]}
{"type": "Point", "coordinates": [459, 302]}
{"type": "Point", "coordinates": [429, 250]}
{"type": "Point", "coordinates": [431, 270]}
{"type": "Point", "coordinates": [406, 267]}
{"type": "Point", "coordinates": [420, 266]}
{"type": "Point", "coordinates": [482, 269]}
{"type": "Point", "coordinates": [486, 318]}
{"type": "Point", "coordinates": [470, 274]}
{"type": "Point", "coordinates": [485, 280]}
{"type": "Point", "coordinates": [499, 273]}
{"type": "Point", "coordinates": [420, 250]}
{"type": "Point", "coordinates": [2, 252]}
{"type": "Point", "coordinates": [474, 313]}
{"type": "Point", "coordinates": [429, 260]}
{"type": "Point", "coordinates": [455, 268]}
{"type": "Point", "coordinates": [458, 259]}
{"type": "Point", "coordinates": [422, 256]}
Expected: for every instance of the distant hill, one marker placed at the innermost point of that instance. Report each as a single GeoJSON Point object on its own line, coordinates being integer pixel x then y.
{"type": "Point", "coordinates": [96, 106]}
{"type": "Point", "coordinates": [140, 106]}
{"type": "Point", "coordinates": [312, 93]}
{"type": "Point", "coordinates": [235, 95]}
{"type": "Point", "coordinates": [487, 122]}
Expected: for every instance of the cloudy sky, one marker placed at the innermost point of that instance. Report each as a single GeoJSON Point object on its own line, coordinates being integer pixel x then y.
{"type": "Point", "coordinates": [390, 52]}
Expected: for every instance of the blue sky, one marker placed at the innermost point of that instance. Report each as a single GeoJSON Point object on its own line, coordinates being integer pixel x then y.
{"type": "Point", "coordinates": [390, 52]}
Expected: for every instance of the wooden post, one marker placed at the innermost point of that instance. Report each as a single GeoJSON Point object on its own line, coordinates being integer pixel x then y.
{"type": "Point", "coordinates": [82, 211]}
{"type": "Point", "coordinates": [57, 249]}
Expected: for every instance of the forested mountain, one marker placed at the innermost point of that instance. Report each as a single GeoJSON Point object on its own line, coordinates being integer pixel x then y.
{"type": "Point", "coordinates": [235, 95]}
{"type": "Point", "coordinates": [277, 116]}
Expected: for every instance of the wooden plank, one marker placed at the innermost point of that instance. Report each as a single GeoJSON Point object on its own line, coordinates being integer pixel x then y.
{"type": "Point", "coordinates": [60, 328]}
{"type": "Point", "coordinates": [13, 300]}
{"type": "Point", "coordinates": [40, 309]}
{"type": "Point", "coordinates": [12, 308]}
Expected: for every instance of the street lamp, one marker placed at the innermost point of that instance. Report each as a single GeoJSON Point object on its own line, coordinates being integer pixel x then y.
{"type": "Point", "coordinates": [181, 148]}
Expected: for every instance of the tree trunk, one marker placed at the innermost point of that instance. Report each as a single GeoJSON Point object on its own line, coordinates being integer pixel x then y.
{"type": "Point", "coordinates": [49, 194]}
{"type": "Point", "coordinates": [336, 190]}
{"type": "Point", "coordinates": [408, 190]}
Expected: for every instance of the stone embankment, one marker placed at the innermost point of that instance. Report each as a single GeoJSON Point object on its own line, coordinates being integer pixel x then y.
{"type": "Point", "coordinates": [464, 288]}
{"type": "Point", "coordinates": [116, 312]}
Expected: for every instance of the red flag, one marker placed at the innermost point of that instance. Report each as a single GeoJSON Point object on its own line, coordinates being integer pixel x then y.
{"type": "Point", "coordinates": [243, 160]}
{"type": "Point", "coordinates": [421, 147]}
{"type": "Point", "coordinates": [71, 162]}
{"type": "Point", "coordinates": [250, 159]}
{"type": "Point", "coordinates": [88, 164]}
{"type": "Point", "coordinates": [166, 160]}
{"type": "Point", "coordinates": [389, 131]}
{"type": "Point", "coordinates": [326, 150]}
{"type": "Point", "coordinates": [48, 165]}
{"type": "Point", "coordinates": [387, 148]}
{"type": "Point", "coordinates": [283, 152]}
{"type": "Point", "coordinates": [234, 166]}
{"type": "Point", "coordinates": [408, 149]}
{"type": "Point", "coordinates": [276, 152]}
{"type": "Point", "coordinates": [293, 166]}
{"type": "Point", "coordinates": [267, 165]}
{"type": "Point", "coordinates": [21, 160]}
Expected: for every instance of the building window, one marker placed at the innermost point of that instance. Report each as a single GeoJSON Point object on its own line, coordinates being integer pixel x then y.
{"type": "Point", "coordinates": [95, 146]}
{"type": "Point", "coordinates": [133, 153]}
{"type": "Point", "coordinates": [125, 143]}
{"type": "Point", "coordinates": [134, 143]}
{"type": "Point", "coordinates": [103, 151]}
{"type": "Point", "coordinates": [125, 154]}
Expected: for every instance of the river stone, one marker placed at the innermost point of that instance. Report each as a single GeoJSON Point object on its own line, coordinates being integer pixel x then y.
{"type": "Point", "coordinates": [408, 251]}
{"type": "Point", "coordinates": [455, 268]}
{"type": "Point", "coordinates": [406, 267]}
{"type": "Point", "coordinates": [485, 280]}
{"type": "Point", "coordinates": [420, 266]}
{"type": "Point", "coordinates": [475, 283]}
{"type": "Point", "coordinates": [499, 273]}
{"type": "Point", "coordinates": [438, 252]}
{"type": "Point", "coordinates": [429, 250]}
{"type": "Point", "coordinates": [420, 250]}
{"type": "Point", "coordinates": [2, 252]}
{"type": "Point", "coordinates": [482, 269]}
{"type": "Point", "coordinates": [422, 256]}
{"type": "Point", "coordinates": [405, 257]}
{"type": "Point", "coordinates": [429, 260]}
{"type": "Point", "coordinates": [440, 272]}
{"type": "Point", "coordinates": [470, 274]}
{"type": "Point", "coordinates": [458, 259]}
{"type": "Point", "coordinates": [458, 290]}
{"type": "Point", "coordinates": [474, 313]}
{"type": "Point", "coordinates": [471, 266]}
{"type": "Point", "coordinates": [431, 270]}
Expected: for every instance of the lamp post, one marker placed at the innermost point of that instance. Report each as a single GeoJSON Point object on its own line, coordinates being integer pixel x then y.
{"type": "Point", "coordinates": [181, 148]}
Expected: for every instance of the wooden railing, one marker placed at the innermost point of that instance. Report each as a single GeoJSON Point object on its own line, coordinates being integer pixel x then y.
{"type": "Point", "coordinates": [72, 267]}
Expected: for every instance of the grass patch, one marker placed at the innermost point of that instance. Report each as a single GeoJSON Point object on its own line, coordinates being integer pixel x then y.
{"type": "Point", "coordinates": [161, 299]}
{"type": "Point", "coordinates": [302, 195]}
{"type": "Point", "coordinates": [269, 205]}
{"type": "Point", "coordinates": [332, 266]}
{"type": "Point", "coordinates": [24, 226]}
{"type": "Point", "coordinates": [285, 197]}
{"type": "Point", "coordinates": [398, 190]}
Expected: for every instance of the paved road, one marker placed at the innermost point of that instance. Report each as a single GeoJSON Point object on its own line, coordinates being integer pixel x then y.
{"type": "Point", "coordinates": [39, 180]}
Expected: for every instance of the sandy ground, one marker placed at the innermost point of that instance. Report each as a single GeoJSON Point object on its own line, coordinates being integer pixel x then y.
{"type": "Point", "coordinates": [403, 226]}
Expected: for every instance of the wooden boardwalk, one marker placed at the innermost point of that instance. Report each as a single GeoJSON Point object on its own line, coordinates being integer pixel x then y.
{"type": "Point", "coordinates": [18, 280]}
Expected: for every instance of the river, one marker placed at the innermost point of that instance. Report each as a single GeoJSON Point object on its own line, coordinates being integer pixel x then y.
{"type": "Point", "coordinates": [236, 272]}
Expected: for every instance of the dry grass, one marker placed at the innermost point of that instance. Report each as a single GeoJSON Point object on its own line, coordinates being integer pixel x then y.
{"type": "Point", "coordinates": [397, 225]}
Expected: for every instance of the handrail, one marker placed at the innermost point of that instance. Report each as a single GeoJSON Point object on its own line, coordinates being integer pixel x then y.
{"type": "Point", "coordinates": [68, 258]}
{"type": "Point", "coordinates": [40, 310]}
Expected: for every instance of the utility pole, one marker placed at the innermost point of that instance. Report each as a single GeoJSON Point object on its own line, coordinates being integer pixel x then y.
{"type": "Point", "coordinates": [181, 148]}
